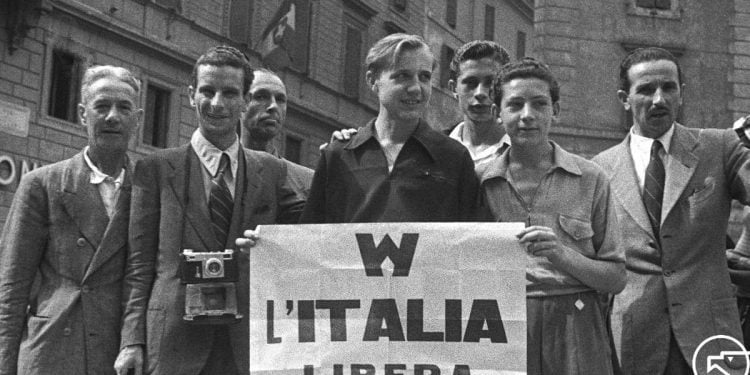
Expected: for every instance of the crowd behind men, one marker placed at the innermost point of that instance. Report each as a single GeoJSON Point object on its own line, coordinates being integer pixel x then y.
{"type": "Point", "coordinates": [90, 254]}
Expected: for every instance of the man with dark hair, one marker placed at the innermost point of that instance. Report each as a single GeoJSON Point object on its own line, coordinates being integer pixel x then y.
{"type": "Point", "coordinates": [474, 68]}
{"type": "Point", "coordinates": [198, 197]}
{"type": "Point", "coordinates": [571, 235]}
{"type": "Point", "coordinates": [673, 187]}
{"type": "Point", "coordinates": [263, 121]}
{"type": "Point", "coordinates": [68, 227]}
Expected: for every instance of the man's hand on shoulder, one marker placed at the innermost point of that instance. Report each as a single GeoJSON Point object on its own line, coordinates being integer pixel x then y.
{"type": "Point", "coordinates": [342, 135]}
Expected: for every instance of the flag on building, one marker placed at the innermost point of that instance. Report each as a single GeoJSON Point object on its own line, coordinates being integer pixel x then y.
{"type": "Point", "coordinates": [284, 41]}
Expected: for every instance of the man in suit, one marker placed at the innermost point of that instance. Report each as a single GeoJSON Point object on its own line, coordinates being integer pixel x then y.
{"type": "Point", "coordinates": [67, 227]}
{"type": "Point", "coordinates": [263, 120]}
{"type": "Point", "coordinates": [673, 187]}
{"type": "Point", "coordinates": [174, 196]}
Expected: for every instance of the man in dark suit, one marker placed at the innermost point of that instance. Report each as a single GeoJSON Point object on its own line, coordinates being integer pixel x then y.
{"type": "Point", "coordinates": [173, 209]}
{"type": "Point", "coordinates": [673, 187]}
{"type": "Point", "coordinates": [68, 224]}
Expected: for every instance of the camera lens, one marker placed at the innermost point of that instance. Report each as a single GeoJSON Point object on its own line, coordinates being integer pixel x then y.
{"type": "Point", "coordinates": [213, 267]}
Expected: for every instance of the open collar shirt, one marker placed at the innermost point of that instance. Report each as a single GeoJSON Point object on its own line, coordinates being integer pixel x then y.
{"type": "Point", "coordinates": [574, 200]}
{"type": "Point", "coordinates": [108, 186]}
{"type": "Point", "coordinates": [432, 180]}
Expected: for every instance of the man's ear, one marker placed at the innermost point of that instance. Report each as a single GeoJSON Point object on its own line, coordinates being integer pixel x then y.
{"type": "Point", "coordinates": [682, 92]}
{"type": "Point", "coordinates": [139, 116]}
{"type": "Point", "coordinates": [82, 113]}
{"type": "Point", "coordinates": [370, 78]}
{"type": "Point", "coordinates": [623, 96]}
{"type": "Point", "coordinates": [452, 87]}
{"type": "Point", "coordinates": [191, 93]}
{"type": "Point", "coordinates": [556, 109]}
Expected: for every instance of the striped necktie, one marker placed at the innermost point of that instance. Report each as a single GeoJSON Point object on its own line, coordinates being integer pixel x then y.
{"type": "Point", "coordinates": [220, 203]}
{"type": "Point", "coordinates": [653, 189]}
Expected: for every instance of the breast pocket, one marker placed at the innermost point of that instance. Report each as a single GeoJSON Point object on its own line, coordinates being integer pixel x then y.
{"type": "Point", "coordinates": [576, 233]}
{"type": "Point", "coordinates": [701, 193]}
{"type": "Point", "coordinates": [699, 199]}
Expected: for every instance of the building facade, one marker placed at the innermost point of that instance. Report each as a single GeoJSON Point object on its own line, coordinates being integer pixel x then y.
{"type": "Point", "coordinates": [584, 42]}
{"type": "Point", "coordinates": [46, 44]}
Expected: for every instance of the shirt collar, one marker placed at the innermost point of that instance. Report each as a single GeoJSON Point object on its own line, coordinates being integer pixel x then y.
{"type": "Point", "coordinates": [457, 134]}
{"type": "Point", "coordinates": [210, 155]}
{"type": "Point", "coordinates": [644, 143]}
{"type": "Point", "coordinates": [428, 138]}
{"type": "Point", "coordinates": [560, 159]}
{"type": "Point", "coordinates": [97, 176]}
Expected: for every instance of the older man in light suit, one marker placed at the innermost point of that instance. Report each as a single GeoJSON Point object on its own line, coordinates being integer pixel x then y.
{"type": "Point", "coordinates": [68, 223]}
{"type": "Point", "coordinates": [172, 211]}
{"type": "Point", "coordinates": [673, 187]}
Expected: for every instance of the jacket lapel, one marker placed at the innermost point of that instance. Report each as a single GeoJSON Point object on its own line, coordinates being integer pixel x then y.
{"type": "Point", "coordinates": [188, 177]}
{"type": "Point", "coordinates": [83, 202]}
{"type": "Point", "coordinates": [624, 182]}
{"type": "Point", "coordinates": [116, 235]}
{"type": "Point", "coordinates": [680, 169]}
{"type": "Point", "coordinates": [253, 168]}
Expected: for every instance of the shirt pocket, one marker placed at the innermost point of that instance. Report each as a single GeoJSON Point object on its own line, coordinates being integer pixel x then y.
{"type": "Point", "coordinates": [577, 234]}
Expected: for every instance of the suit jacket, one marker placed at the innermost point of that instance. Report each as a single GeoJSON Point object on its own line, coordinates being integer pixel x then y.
{"type": "Point", "coordinates": [680, 283]}
{"type": "Point", "coordinates": [58, 231]}
{"type": "Point", "coordinates": [170, 213]}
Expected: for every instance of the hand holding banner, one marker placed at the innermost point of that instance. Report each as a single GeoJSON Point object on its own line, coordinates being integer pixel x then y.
{"type": "Point", "coordinates": [388, 298]}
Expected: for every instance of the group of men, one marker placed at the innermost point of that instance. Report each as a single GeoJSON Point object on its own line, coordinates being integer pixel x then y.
{"type": "Point", "coordinates": [89, 256]}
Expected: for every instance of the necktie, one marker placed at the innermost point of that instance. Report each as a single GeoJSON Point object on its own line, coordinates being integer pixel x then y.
{"type": "Point", "coordinates": [220, 203]}
{"type": "Point", "coordinates": [653, 189]}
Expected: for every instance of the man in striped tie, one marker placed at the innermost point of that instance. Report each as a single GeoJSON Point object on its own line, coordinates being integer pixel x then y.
{"type": "Point", "coordinates": [673, 188]}
{"type": "Point", "coordinates": [198, 197]}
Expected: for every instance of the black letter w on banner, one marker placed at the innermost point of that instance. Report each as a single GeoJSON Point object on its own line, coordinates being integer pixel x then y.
{"type": "Point", "coordinates": [401, 256]}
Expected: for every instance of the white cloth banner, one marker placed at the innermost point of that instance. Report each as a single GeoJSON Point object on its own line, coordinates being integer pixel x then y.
{"type": "Point", "coordinates": [434, 298]}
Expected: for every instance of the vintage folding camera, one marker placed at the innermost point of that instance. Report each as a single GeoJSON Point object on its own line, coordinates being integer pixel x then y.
{"type": "Point", "coordinates": [210, 287]}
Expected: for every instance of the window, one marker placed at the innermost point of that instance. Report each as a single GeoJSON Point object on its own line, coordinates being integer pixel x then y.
{"type": "Point", "coordinates": [446, 55]}
{"type": "Point", "coordinates": [353, 60]}
{"type": "Point", "coordinates": [489, 22]}
{"type": "Point", "coordinates": [240, 19]}
{"type": "Point", "coordinates": [399, 5]}
{"type": "Point", "coordinates": [669, 9]}
{"type": "Point", "coordinates": [520, 45]}
{"type": "Point", "coordinates": [654, 4]}
{"type": "Point", "coordinates": [65, 91]}
{"type": "Point", "coordinates": [293, 149]}
{"type": "Point", "coordinates": [356, 17]}
{"type": "Point", "coordinates": [156, 122]}
{"type": "Point", "coordinates": [175, 5]}
{"type": "Point", "coordinates": [451, 7]}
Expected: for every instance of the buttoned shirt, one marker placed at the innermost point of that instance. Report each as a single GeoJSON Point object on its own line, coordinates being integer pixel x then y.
{"type": "Point", "coordinates": [640, 149]}
{"type": "Point", "coordinates": [210, 157]}
{"type": "Point", "coordinates": [108, 186]}
{"type": "Point", "coordinates": [574, 200]}
{"type": "Point", "coordinates": [432, 179]}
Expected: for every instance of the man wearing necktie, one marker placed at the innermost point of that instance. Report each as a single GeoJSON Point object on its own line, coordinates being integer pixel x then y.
{"type": "Point", "coordinates": [68, 228]}
{"type": "Point", "coordinates": [673, 189]}
{"type": "Point", "coordinates": [199, 196]}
